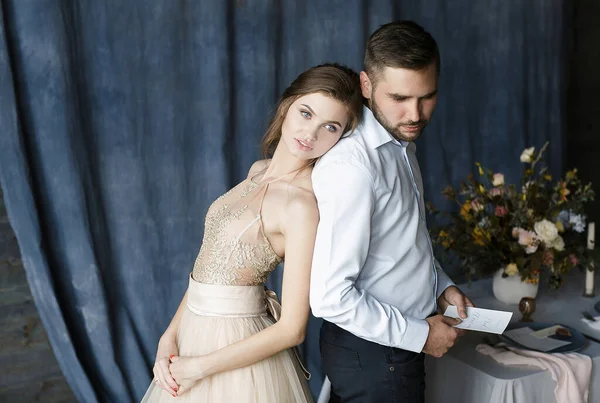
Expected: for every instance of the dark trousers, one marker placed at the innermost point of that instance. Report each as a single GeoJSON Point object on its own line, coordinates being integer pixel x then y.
{"type": "Point", "coordinates": [365, 372]}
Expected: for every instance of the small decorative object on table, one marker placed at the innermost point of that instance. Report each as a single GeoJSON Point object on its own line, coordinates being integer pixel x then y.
{"type": "Point", "coordinates": [517, 231]}
{"type": "Point", "coordinates": [589, 290]}
{"type": "Point", "coordinates": [527, 308]}
{"type": "Point", "coordinates": [563, 332]}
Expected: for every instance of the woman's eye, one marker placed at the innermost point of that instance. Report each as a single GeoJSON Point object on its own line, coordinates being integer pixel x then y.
{"type": "Point", "coordinates": [305, 114]}
{"type": "Point", "coordinates": [331, 128]}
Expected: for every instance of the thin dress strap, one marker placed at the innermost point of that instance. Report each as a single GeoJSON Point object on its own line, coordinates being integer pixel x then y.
{"type": "Point", "coordinates": [262, 199]}
{"type": "Point", "coordinates": [266, 184]}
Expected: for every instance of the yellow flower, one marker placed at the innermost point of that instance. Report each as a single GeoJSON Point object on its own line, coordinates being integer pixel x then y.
{"type": "Point", "coordinates": [481, 237]}
{"type": "Point", "coordinates": [465, 209]}
{"type": "Point", "coordinates": [445, 238]}
{"type": "Point", "coordinates": [559, 226]}
{"type": "Point", "coordinates": [479, 168]}
{"type": "Point", "coordinates": [563, 191]}
{"type": "Point", "coordinates": [571, 174]}
{"type": "Point", "coordinates": [511, 269]}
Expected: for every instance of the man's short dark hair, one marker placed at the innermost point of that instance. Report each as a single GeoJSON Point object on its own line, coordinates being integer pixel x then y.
{"type": "Point", "coordinates": [400, 44]}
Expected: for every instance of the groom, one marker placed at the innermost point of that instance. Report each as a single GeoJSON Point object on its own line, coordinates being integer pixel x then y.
{"type": "Point", "coordinates": [374, 280]}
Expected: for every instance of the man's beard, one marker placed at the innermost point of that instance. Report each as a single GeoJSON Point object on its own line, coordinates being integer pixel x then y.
{"type": "Point", "coordinates": [394, 130]}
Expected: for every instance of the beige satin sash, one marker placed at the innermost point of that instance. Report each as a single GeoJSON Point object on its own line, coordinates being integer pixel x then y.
{"type": "Point", "coordinates": [274, 308]}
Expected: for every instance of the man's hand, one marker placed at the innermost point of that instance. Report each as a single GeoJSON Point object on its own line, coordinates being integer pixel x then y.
{"type": "Point", "coordinates": [453, 296]}
{"type": "Point", "coordinates": [441, 335]}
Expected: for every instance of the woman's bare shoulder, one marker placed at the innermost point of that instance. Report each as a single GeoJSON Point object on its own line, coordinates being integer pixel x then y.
{"type": "Point", "coordinates": [258, 166]}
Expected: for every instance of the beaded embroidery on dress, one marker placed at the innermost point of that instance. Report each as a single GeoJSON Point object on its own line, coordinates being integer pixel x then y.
{"type": "Point", "coordinates": [235, 250]}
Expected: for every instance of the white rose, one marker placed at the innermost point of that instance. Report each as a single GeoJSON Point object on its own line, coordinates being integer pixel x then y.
{"type": "Point", "coordinates": [531, 249]}
{"type": "Point", "coordinates": [546, 231]}
{"type": "Point", "coordinates": [511, 269]}
{"type": "Point", "coordinates": [476, 206]}
{"type": "Point", "coordinates": [558, 244]}
{"type": "Point", "coordinates": [527, 154]}
{"type": "Point", "coordinates": [498, 180]}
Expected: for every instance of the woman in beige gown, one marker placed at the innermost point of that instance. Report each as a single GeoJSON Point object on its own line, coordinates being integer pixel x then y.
{"type": "Point", "coordinates": [230, 340]}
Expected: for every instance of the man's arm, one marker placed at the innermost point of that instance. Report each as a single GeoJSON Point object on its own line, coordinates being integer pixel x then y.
{"type": "Point", "coordinates": [346, 199]}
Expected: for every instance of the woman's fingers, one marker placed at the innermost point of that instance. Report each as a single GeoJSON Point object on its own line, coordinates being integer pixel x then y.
{"type": "Point", "coordinates": [163, 376]}
{"type": "Point", "coordinates": [157, 377]}
{"type": "Point", "coordinates": [156, 380]}
{"type": "Point", "coordinates": [164, 364]}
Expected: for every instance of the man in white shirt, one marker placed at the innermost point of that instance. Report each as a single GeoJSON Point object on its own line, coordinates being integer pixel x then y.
{"type": "Point", "coordinates": [374, 280]}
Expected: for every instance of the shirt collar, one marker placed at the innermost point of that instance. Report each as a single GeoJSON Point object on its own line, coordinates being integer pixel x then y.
{"type": "Point", "coordinates": [375, 134]}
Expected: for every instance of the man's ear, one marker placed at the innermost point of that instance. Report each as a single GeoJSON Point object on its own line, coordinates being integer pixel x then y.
{"type": "Point", "coordinates": [365, 85]}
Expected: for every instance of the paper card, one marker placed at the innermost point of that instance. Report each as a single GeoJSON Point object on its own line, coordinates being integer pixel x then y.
{"type": "Point", "coordinates": [549, 331]}
{"type": "Point", "coordinates": [482, 320]}
{"type": "Point", "coordinates": [524, 336]}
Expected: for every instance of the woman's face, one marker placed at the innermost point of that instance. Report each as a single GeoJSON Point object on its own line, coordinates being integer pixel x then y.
{"type": "Point", "coordinates": [312, 125]}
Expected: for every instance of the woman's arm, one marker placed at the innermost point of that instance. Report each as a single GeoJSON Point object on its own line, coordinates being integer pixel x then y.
{"type": "Point", "coordinates": [299, 230]}
{"type": "Point", "coordinates": [167, 346]}
{"type": "Point", "coordinates": [171, 333]}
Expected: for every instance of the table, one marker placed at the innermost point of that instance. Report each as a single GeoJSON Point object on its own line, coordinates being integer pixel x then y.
{"type": "Point", "coordinates": [464, 375]}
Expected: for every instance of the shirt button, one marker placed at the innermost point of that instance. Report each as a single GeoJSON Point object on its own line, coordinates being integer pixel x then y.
{"type": "Point", "coordinates": [392, 369]}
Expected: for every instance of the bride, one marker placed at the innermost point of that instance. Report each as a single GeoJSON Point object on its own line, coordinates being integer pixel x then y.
{"type": "Point", "coordinates": [230, 340]}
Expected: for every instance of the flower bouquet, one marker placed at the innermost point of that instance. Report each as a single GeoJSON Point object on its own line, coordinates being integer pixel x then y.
{"type": "Point", "coordinates": [521, 230]}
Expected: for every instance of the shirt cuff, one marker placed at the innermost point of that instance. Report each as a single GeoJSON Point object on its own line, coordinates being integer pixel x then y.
{"type": "Point", "coordinates": [443, 283]}
{"type": "Point", "coordinates": [417, 331]}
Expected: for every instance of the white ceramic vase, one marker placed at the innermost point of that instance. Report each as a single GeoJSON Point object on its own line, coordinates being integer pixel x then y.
{"type": "Point", "coordinates": [511, 289]}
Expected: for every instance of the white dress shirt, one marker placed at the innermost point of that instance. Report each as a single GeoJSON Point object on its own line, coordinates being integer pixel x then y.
{"type": "Point", "coordinates": [373, 271]}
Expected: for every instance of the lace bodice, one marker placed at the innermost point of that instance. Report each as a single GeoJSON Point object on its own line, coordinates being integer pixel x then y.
{"type": "Point", "coordinates": [235, 250]}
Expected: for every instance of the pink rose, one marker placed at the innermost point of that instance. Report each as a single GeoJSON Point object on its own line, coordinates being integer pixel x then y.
{"type": "Point", "coordinates": [516, 231]}
{"type": "Point", "coordinates": [527, 238]}
{"type": "Point", "coordinates": [548, 258]}
{"type": "Point", "coordinates": [501, 211]}
{"type": "Point", "coordinates": [496, 192]}
{"type": "Point", "coordinates": [573, 259]}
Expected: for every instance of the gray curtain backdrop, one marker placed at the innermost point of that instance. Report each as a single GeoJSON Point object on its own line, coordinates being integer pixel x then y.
{"type": "Point", "coordinates": [121, 121]}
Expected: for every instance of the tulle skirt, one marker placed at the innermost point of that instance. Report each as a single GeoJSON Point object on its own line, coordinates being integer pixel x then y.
{"type": "Point", "coordinates": [217, 316]}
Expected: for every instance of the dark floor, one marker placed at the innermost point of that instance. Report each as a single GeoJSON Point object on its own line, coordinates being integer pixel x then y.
{"type": "Point", "coordinates": [29, 372]}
